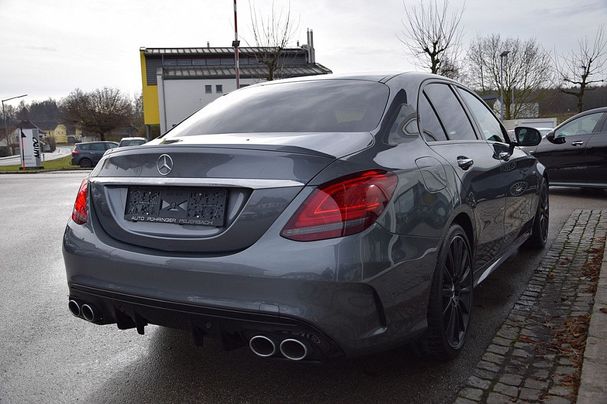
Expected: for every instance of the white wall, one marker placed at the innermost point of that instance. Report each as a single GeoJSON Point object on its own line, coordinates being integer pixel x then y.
{"type": "Point", "coordinates": [184, 97]}
{"type": "Point", "coordinates": [533, 122]}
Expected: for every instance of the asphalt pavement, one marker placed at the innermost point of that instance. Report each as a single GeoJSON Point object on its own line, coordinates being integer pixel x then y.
{"type": "Point", "coordinates": [47, 355]}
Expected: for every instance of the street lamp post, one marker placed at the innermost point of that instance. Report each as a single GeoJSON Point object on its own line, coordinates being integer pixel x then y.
{"type": "Point", "coordinates": [5, 117]}
{"type": "Point", "coordinates": [236, 45]}
{"type": "Point", "coordinates": [503, 61]}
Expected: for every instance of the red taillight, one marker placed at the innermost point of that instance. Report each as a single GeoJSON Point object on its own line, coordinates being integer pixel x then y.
{"type": "Point", "coordinates": [80, 213]}
{"type": "Point", "coordinates": [75, 152]}
{"type": "Point", "coordinates": [342, 207]}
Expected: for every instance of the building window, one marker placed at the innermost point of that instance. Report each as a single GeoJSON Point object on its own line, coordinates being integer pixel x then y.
{"type": "Point", "coordinates": [208, 89]}
{"type": "Point", "coordinates": [219, 88]}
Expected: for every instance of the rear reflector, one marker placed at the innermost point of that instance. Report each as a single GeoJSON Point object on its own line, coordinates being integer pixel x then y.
{"type": "Point", "coordinates": [80, 213]}
{"type": "Point", "coordinates": [342, 207]}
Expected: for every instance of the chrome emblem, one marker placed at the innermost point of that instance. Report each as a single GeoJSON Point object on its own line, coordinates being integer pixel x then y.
{"type": "Point", "coordinates": [164, 164]}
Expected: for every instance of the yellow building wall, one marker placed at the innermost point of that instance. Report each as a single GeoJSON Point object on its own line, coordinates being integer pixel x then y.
{"type": "Point", "coordinates": [151, 112]}
{"type": "Point", "coordinates": [59, 133]}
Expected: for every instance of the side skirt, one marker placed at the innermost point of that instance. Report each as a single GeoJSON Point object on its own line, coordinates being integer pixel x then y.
{"type": "Point", "coordinates": [507, 254]}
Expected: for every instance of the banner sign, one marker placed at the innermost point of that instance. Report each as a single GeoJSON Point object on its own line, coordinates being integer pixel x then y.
{"type": "Point", "coordinates": [31, 149]}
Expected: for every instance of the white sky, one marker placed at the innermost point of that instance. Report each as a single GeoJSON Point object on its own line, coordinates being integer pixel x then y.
{"type": "Point", "coordinates": [48, 48]}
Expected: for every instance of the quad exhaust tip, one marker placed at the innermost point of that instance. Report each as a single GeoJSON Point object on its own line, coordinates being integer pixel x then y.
{"type": "Point", "coordinates": [88, 313]}
{"type": "Point", "coordinates": [262, 346]}
{"type": "Point", "coordinates": [293, 349]}
{"type": "Point", "coordinates": [74, 308]}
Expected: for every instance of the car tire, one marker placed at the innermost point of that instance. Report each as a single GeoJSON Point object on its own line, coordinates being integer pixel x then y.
{"type": "Point", "coordinates": [450, 305]}
{"type": "Point", "coordinates": [539, 233]}
{"type": "Point", "coordinates": [86, 163]}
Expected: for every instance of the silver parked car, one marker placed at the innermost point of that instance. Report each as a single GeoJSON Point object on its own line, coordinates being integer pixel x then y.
{"type": "Point", "coordinates": [309, 218]}
{"type": "Point", "coordinates": [132, 141]}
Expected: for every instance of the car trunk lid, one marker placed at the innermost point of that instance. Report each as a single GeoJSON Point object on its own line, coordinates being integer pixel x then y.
{"type": "Point", "coordinates": [205, 198]}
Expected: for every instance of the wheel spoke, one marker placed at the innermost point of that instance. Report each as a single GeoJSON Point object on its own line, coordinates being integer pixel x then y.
{"type": "Point", "coordinates": [451, 324]}
{"type": "Point", "coordinates": [456, 326]}
{"type": "Point", "coordinates": [457, 257]}
{"type": "Point", "coordinates": [450, 264]}
{"type": "Point", "coordinates": [447, 307]}
{"type": "Point", "coordinates": [465, 304]}
{"type": "Point", "coordinates": [449, 275]}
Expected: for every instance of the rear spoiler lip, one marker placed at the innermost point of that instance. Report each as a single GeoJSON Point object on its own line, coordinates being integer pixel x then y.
{"type": "Point", "coordinates": [202, 182]}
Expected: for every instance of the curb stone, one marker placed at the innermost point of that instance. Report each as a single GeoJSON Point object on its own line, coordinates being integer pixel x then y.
{"type": "Point", "coordinates": [594, 370]}
{"type": "Point", "coordinates": [536, 354]}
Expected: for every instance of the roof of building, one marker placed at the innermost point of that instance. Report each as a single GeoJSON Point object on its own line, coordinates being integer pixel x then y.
{"type": "Point", "coordinates": [225, 50]}
{"type": "Point", "coordinates": [218, 72]}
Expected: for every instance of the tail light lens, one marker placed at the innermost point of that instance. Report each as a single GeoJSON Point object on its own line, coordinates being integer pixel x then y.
{"type": "Point", "coordinates": [342, 207]}
{"type": "Point", "coordinates": [75, 151]}
{"type": "Point", "coordinates": [80, 213]}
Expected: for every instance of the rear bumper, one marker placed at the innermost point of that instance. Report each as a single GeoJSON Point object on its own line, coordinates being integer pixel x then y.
{"type": "Point", "coordinates": [233, 327]}
{"type": "Point", "coordinates": [318, 289]}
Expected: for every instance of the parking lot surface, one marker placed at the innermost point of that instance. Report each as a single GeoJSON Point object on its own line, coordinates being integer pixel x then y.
{"type": "Point", "coordinates": [47, 355]}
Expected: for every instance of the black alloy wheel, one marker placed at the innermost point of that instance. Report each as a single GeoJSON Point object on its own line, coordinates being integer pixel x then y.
{"type": "Point", "coordinates": [451, 296]}
{"type": "Point", "coordinates": [539, 234]}
{"type": "Point", "coordinates": [456, 292]}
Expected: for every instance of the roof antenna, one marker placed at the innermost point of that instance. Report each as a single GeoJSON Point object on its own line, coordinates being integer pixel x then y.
{"type": "Point", "coordinates": [208, 44]}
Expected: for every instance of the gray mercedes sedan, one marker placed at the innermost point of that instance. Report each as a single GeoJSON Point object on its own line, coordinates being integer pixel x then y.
{"type": "Point", "coordinates": [309, 218]}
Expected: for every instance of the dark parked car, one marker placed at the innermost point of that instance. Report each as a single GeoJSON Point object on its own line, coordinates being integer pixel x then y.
{"type": "Point", "coordinates": [88, 154]}
{"type": "Point", "coordinates": [309, 218]}
{"type": "Point", "coordinates": [132, 141]}
{"type": "Point", "coordinates": [575, 152]}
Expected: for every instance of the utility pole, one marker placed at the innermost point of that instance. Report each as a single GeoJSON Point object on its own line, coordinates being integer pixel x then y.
{"type": "Point", "coordinates": [236, 44]}
{"type": "Point", "coordinates": [5, 117]}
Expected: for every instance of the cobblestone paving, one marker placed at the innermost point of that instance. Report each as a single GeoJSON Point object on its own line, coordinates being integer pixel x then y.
{"type": "Point", "coordinates": [536, 354]}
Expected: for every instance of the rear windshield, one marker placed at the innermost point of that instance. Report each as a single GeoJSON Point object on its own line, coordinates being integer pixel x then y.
{"type": "Point", "coordinates": [319, 106]}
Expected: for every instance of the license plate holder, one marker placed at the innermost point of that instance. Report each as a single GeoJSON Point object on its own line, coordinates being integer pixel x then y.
{"type": "Point", "coordinates": [185, 206]}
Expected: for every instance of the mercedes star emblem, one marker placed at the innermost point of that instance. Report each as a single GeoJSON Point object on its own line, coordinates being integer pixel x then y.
{"type": "Point", "coordinates": [164, 164]}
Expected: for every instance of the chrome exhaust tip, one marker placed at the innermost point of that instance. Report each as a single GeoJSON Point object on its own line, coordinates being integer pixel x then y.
{"type": "Point", "coordinates": [262, 346]}
{"type": "Point", "coordinates": [293, 349]}
{"type": "Point", "coordinates": [88, 313]}
{"type": "Point", "coordinates": [74, 308]}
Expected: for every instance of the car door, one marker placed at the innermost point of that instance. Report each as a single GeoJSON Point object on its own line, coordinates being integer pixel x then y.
{"type": "Point", "coordinates": [568, 162]}
{"type": "Point", "coordinates": [596, 154]}
{"type": "Point", "coordinates": [97, 151]}
{"type": "Point", "coordinates": [517, 173]}
{"type": "Point", "coordinates": [449, 132]}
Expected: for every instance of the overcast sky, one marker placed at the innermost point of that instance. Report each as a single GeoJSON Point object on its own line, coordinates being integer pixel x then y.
{"type": "Point", "coordinates": [48, 48]}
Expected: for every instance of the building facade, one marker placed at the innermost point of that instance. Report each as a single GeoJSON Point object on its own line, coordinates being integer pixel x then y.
{"type": "Point", "coordinates": [179, 81]}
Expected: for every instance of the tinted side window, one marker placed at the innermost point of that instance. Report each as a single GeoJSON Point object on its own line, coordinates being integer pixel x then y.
{"type": "Point", "coordinates": [84, 147]}
{"type": "Point", "coordinates": [111, 145]}
{"type": "Point", "coordinates": [580, 126]}
{"type": "Point", "coordinates": [450, 112]}
{"type": "Point", "coordinates": [487, 122]}
{"type": "Point", "coordinates": [431, 127]}
{"type": "Point", "coordinates": [98, 147]}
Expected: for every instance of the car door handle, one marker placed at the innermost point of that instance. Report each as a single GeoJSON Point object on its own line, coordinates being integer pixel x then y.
{"type": "Point", "coordinates": [577, 143]}
{"type": "Point", "coordinates": [464, 162]}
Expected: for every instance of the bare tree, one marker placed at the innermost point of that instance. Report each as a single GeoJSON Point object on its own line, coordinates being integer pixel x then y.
{"type": "Point", "coordinates": [526, 70]}
{"type": "Point", "coordinates": [584, 66]}
{"type": "Point", "coordinates": [98, 111]}
{"type": "Point", "coordinates": [271, 34]}
{"type": "Point", "coordinates": [433, 32]}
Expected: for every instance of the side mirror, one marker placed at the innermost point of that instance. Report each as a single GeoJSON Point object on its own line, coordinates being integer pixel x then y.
{"type": "Point", "coordinates": [527, 136]}
{"type": "Point", "coordinates": [556, 140]}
